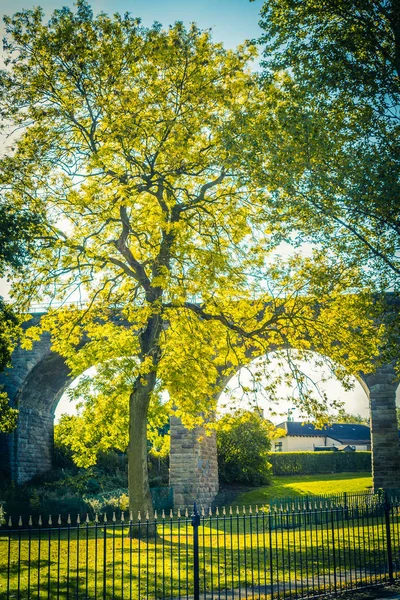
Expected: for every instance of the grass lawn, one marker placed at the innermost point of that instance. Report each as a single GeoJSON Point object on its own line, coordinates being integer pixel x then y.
{"type": "Point", "coordinates": [301, 485]}
{"type": "Point", "coordinates": [249, 551]}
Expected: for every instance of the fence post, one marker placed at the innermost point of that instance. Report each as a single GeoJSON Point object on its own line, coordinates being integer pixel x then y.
{"type": "Point", "coordinates": [196, 574]}
{"type": "Point", "coordinates": [334, 551]}
{"type": "Point", "coordinates": [388, 537]}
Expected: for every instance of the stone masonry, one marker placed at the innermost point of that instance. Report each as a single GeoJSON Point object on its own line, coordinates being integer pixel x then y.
{"type": "Point", "coordinates": [382, 387]}
{"type": "Point", "coordinates": [193, 465]}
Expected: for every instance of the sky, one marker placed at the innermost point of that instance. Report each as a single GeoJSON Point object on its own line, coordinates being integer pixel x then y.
{"type": "Point", "coordinates": [232, 21]}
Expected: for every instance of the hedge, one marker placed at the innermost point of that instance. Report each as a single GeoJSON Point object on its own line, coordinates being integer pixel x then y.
{"type": "Point", "coordinates": [314, 463]}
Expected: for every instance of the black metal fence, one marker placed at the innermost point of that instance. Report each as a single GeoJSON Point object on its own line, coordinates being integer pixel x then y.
{"type": "Point", "coordinates": [297, 549]}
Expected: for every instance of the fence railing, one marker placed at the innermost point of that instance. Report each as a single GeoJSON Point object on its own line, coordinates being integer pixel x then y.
{"type": "Point", "coordinates": [236, 553]}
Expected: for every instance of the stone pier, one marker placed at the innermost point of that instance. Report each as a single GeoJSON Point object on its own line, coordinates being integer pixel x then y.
{"type": "Point", "coordinates": [193, 466]}
{"type": "Point", "coordinates": [385, 446]}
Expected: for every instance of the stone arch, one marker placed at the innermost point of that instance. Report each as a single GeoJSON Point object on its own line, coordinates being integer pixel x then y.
{"type": "Point", "coordinates": [193, 463]}
{"type": "Point", "coordinates": [35, 383]}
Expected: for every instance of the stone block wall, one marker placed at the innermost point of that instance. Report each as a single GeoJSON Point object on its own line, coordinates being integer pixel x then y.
{"type": "Point", "coordinates": [385, 446]}
{"type": "Point", "coordinates": [32, 446]}
{"type": "Point", "coordinates": [193, 466]}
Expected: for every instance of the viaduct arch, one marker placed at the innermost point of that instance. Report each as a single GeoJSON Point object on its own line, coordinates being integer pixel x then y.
{"type": "Point", "coordinates": [38, 378]}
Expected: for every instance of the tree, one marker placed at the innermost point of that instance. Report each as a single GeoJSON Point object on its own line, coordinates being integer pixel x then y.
{"type": "Point", "coordinates": [125, 149]}
{"type": "Point", "coordinates": [335, 66]}
{"type": "Point", "coordinates": [343, 417]}
{"type": "Point", "coordinates": [18, 229]}
{"type": "Point", "coordinates": [243, 443]}
{"type": "Point", "coordinates": [16, 240]}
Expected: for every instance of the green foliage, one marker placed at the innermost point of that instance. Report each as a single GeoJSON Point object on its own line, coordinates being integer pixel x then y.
{"type": "Point", "coordinates": [337, 66]}
{"type": "Point", "coordinates": [296, 463]}
{"type": "Point", "coordinates": [344, 417]}
{"type": "Point", "coordinates": [243, 443]}
{"type": "Point", "coordinates": [18, 231]}
{"type": "Point", "coordinates": [8, 415]}
{"type": "Point", "coordinates": [9, 333]}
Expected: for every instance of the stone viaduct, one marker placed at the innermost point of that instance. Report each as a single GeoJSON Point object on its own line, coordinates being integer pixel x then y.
{"type": "Point", "coordinates": [38, 378]}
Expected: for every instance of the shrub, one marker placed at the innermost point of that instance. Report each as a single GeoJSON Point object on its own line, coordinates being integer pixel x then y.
{"type": "Point", "coordinates": [315, 463]}
{"type": "Point", "coordinates": [243, 442]}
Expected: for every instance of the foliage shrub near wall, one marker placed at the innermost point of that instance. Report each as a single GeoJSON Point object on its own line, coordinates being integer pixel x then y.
{"type": "Point", "coordinates": [243, 443]}
{"type": "Point", "coordinates": [314, 463]}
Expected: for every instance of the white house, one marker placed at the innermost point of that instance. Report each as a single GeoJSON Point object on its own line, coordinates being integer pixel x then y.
{"type": "Point", "coordinates": [305, 437]}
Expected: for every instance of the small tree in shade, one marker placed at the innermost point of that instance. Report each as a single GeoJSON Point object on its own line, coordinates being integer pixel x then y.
{"type": "Point", "coordinates": [243, 442]}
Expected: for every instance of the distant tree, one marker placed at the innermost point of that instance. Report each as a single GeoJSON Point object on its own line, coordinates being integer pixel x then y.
{"type": "Point", "coordinates": [243, 443]}
{"type": "Point", "coordinates": [343, 417]}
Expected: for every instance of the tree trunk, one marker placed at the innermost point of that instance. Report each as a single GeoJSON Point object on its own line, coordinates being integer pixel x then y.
{"type": "Point", "coordinates": [138, 478]}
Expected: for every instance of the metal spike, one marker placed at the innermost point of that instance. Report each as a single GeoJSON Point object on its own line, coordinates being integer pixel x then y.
{"type": "Point", "coordinates": [250, 510]}
{"type": "Point", "coordinates": [114, 518]}
{"type": "Point", "coordinates": [105, 518]}
{"type": "Point", "coordinates": [40, 520]}
{"type": "Point", "coordinates": [59, 520]}
{"type": "Point", "coordinates": [171, 514]}
{"type": "Point", "coordinates": [209, 511]}
{"type": "Point", "coordinates": [50, 521]}
{"type": "Point", "coordinates": [9, 522]}
{"type": "Point", "coordinates": [96, 518]}
{"type": "Point", "coordinates": [237, 510]}
{"type": "Point", "coordinates": [163, 514]}
{"type": "Point", "coordinates": [139, 516]}
{"type": "Point", "coordinates": [217, 511]}
{"type": "Point", "coordinates": [147, 515]}
{"type": "Point", "coordinates": [20, 521]}
{"type": "Point", "coordinates": [256, 509]}
{"type": "Point", "coordinates": [30, 523]}
{"type": "Point", "coordinates": [223, 511]}
{"type": "Point", "coordinates": [155, 515]}
{"type": "Point", "coordinates": [69, 519]}
{"type": "Point", "coordinates": [78, 519]}
{"type": "Point", "coordinates": [244, 510]}
{"type": "Point", "coordinates": [179, 513]}
{"type": "Point", "coordinates": [230, 510]}
{"type": "Point", "coordinates": [130, 515]}
{"type": "Point", "coordinates": [87, 518]}
{"type": "Point", "coordinates": [186, 513]}
{"type": "Point", "coordinates": [122, 517]}
{"type": "Point", "coordinates": [203, 514]}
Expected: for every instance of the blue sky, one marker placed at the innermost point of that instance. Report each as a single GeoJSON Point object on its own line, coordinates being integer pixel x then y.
{"type": "Point", "coordinates": [232, 21]}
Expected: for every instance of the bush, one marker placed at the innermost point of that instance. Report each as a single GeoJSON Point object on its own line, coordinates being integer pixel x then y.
{"type": "Point", "coordinates": [315, 463]}
{"type": "Point", "coordinates": [243, 442]}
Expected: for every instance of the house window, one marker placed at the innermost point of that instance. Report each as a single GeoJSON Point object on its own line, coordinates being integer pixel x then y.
{"type": "Point", "coordinates": [278, 447]}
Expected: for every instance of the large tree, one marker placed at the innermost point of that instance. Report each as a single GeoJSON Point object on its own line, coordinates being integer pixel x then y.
{"type": "Point", "coordinates": [125, 145]}
{"type": "Point", "coordinates": [335, 151]}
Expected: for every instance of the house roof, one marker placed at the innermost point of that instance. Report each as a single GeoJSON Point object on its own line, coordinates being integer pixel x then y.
{"type": "Point", "coordinates": [342, 432]}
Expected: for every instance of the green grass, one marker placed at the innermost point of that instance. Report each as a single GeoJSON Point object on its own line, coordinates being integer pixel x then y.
{"type": "Point", "coordinates": [235, 552]}
{"type": "Point", "coordinates": [301, 485]}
